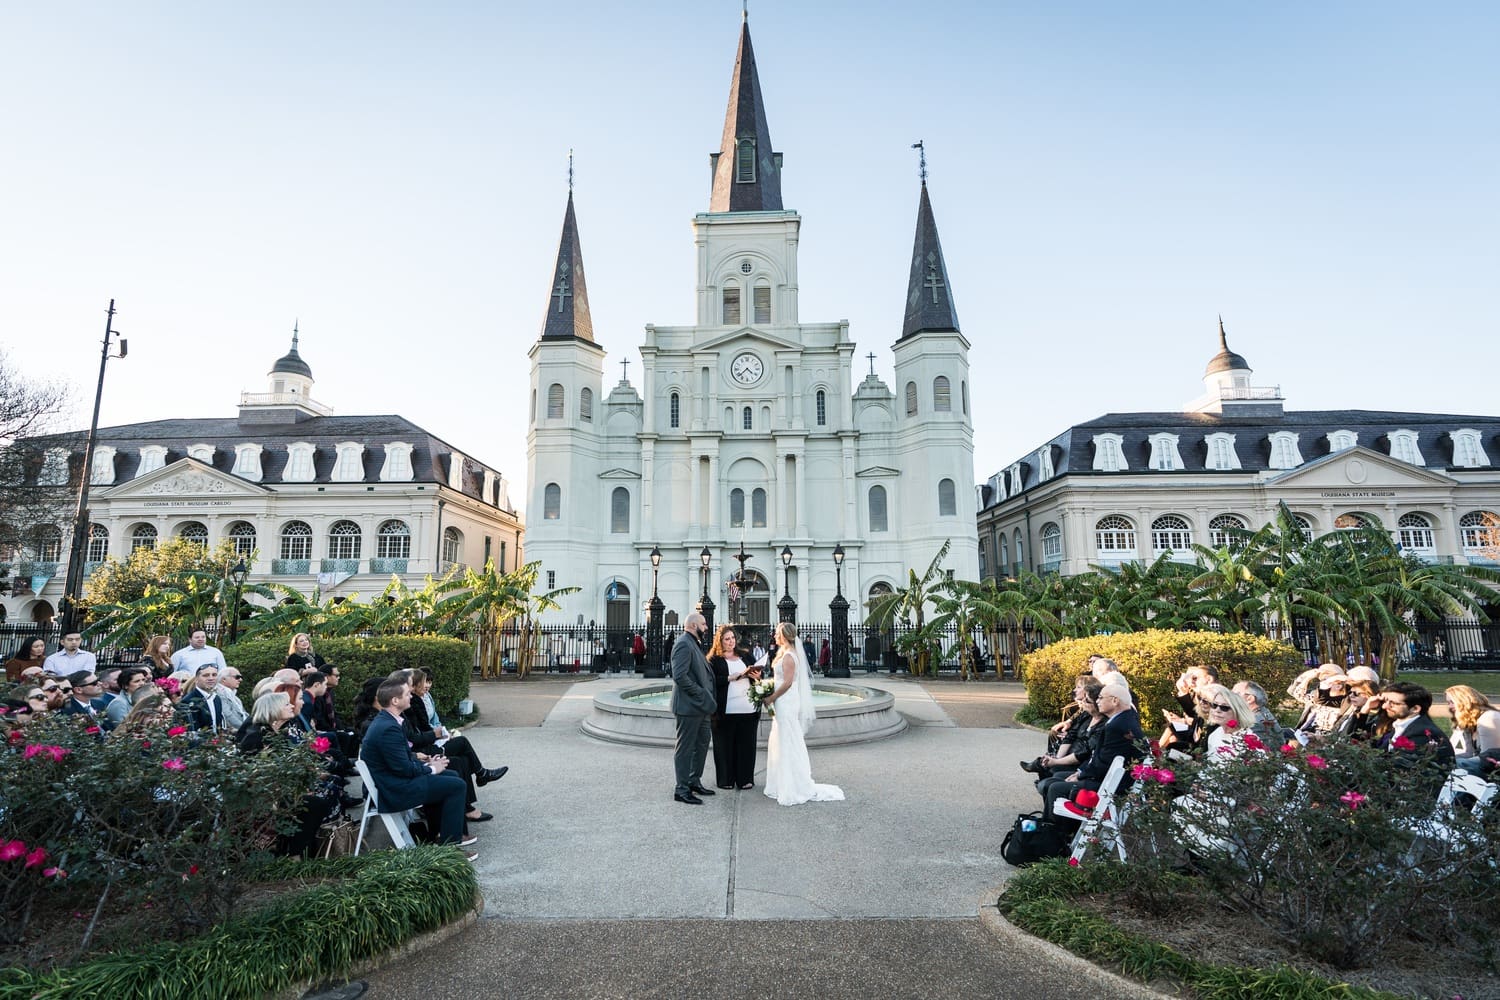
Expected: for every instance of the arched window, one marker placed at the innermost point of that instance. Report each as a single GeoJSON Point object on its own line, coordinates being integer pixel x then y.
{"type": "Point", "coordinates": [1164, 454]}
{"type": "Point", "coordinates": [1285, 453]}
{"type": "Point", "coordinates": [744, 161]}
{"type": "Point", "coordinates": [143, 536]}
{"type": "Point", "coordinates": [552, 502]}
{"type": "Point", "coordinates": [747, 419]}
{"type": "Point", "coordinates": [49, 543]}
{"type": "Point", "coordinates": [822, 408]}
{"type": "Point", "coordinates": [242, 535]}
{"type": "Point", "coordinates": [555, 401]}
{"type": "Point", "coordinates": [736, 508]}
{"type": "Point", "coordinates": [1171, 533]}
{"type": "Point", "coordinates": [1109, 456]}
{"type": "Point", "coordinates": [942, 395]}
{"type": "Point", "coordinates": [98, 549]}
{"type": "Point", "coordinates": [731, 304]}
{"type": "Point", "coordinates": [1052, 548]}
{"type": "Point", "coordinates": [1221, 453]}
{"type": "Point", "coordinates": [247, 462]}
{"type": "Point", "coordinates": [453, 545]}
{"type": "Point", "coordinates": [586, 404]}
{"type": "Point", "coordinates": [963, 391]}
{"type": "Point", "coordinates": [349, 466]}
{"type": "Point", "coordinates": [619, 511]}
{"type": "Point", "coordinates": [1004, 554]}
{"type": "Point", "coordinates": [1222, 529]}
{"type": "Point", "coordinates": [344, 540]}
{"type": "Point", "coordinates": [1404, 447]}
{"type": "Point", "coordinates": [1341, 440]}
{"type": "Point", "coordinates": [299, 463]}
{"type": "Point", "coordinates": [195, 532]}
{"type": "Point", "coordinates": [911, 399]}
{"type": "Point", "coordinates": [1414, 531]}
{"type": "Point", "coordinates": [393, 540]}
{"type": "Point", "coordinates": [1020, 550]}
{"type": "Point", "coordinates": [1114, 537]}
{"type": "Point", "coordinates": [758, 508]}
{"type": "Point", "coordinates": [877, 508]}
{"type": "Point", "coordinates": [1304, 526]}
{"type": "Point", "coordinates": [984, 560]}
{"type": "Point", "coordinates": [947, 501]}
{"type": "Point", "coordinates": [1468, 449]}
{"type": "Point", "coordinates": [1351, 520]}
{"type": "Point", "coordinates": [762, 304]}
{"type": "Point", "coordinates": [1480, 530]}
{"type": "Point", "coordinates": [674, 410]}
{"type": "Point", "coordinates": [296, 540]}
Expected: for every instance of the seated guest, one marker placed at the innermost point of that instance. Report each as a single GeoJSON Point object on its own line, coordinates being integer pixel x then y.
{"type": "Point", "coordinates": [86, 699]}
{"type": "Point", "coordinates": [269, 730]}
{"type": "Point", "coordinates": [1186, 731]}
{"type": "Point", "coordinates": [1413, 736]}
{"type": "Point", "coordinates": [32, 652]}
{"type": "Point", "coordinates": [152, 713]}
{"type": "Point", "coordinates": [1266, 725]}
{"type": "Point", "coordinates": [1363, 673]}
{"type": "Point", "coordinates": [1304, 689]}
{"type": "Point", "coordinates": [1074, 723]}
{"type": "Point", "coordinates": [200, 707]}
{"type": "Point", "coordinates": [228, 692]}
{"type": "Point", "coordinates": [464, 759]}
{"type": "Point", "coordinates": [131, 680]}
{"type": "Point", "coordinates": [1476, 726]}
{"type": "Point", "coordinates": [1363, 721]}
{"type": "Point", "coordinates": [158, 656]}
{"type": "Point", "coordinates": [365, 708]}
{"type": "Point", "coordinates": [401, 780]}
{"type": "Point", "coordinates": [1077, 753]}
{"type": "Point", "coordinates": [1325, 708]}
{"type": "Point", "coordinates": [1122, 738]}
{"type": "Point", "coordinates": [1229, 718]}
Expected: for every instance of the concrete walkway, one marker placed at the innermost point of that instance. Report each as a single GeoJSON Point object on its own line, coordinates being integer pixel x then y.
{"type": "Point", "coordinates": [597, 884]}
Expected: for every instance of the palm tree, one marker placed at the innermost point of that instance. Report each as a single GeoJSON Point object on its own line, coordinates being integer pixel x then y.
{"type": "Point", "coordinates": [909, 604]}
{"type": "Point", "coordinates": [485, 601]}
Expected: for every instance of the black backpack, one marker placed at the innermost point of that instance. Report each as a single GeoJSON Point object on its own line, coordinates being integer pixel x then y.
{"type": "Point", "coordinates": [1032, 838]}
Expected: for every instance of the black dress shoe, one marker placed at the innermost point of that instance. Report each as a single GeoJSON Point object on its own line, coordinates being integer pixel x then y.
{"type": "Point", "coordinates": [350, 802]}
{"type": "Point", "coordinates": [489, 774]}
{"type": "Point", "coordinates": [689, 798]}
{"type": "Point", "coordinates": [483, 817]}
{"type": "Point", "coordinates": [700, 790]}
{"type": "Point", "coordinates": [1034, 766]}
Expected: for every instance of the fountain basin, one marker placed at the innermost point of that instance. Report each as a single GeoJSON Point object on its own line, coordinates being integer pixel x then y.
{"type": "Point", "coordinates": [847, 713]}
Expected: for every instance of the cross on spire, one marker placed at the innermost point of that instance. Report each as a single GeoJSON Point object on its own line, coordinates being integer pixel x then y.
{"type": "Point", "coordinates": [921, 148]}
{"type": "Point", "coordinates": [871, 356]}
{"type": "Point", "coordinates": [625, 370]}
{"type": "Point", "coordinates": [561, 291]}
{"type": "Point", "coordinates": [934, 278]}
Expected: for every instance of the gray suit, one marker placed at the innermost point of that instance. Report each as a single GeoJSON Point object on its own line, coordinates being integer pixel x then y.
{"type": "Point", "coordinates": [692, 704]}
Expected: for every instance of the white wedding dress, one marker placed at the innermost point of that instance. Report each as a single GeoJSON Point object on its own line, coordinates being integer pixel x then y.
{"type": "Point", "coordinates": [788, 768]}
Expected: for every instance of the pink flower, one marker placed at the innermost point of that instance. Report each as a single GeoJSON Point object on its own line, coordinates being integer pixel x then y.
{"type": "Point", "coordinates": [1289, 749]}
{"type": "Point", "coordinates": [58, 753]}
{"type": "Point", "coordinates": [1253, 742]}
{"type": "Point", "coordinates": [320, 744]}
{"type": "Point", "coordinates": [1231, 723]}
{"type": "Point", "coordinates": [16, 736]}
{"type": "Point", "coordinates": [12, 849]}
{"type": "Point", "coordinates": [54, 873]}
{"type": "Point", "coordinates": [1141, 771]}
{"type": "Point", "coordinates": [1352, 799]}
{"type": "Point", "coordinates": [1073, 862]}
{"type": "Point", "coordinates": [177, 730]}
{"type": "Point", "coordinates": [1316, 763]}
{"type": "Point", "coordinates": [1166, 776]}
{"type": "Point", "coordinates": [174, 764]}
{"type": "Point", "coordinates": [32, 749]}
{"type": "Point", "coordinates": [91, 731]}
{"type": "Point", "coordinates": [145, 744]}
{"type": "Point", "coordinates": [1403, 743]}
{"type": "Point", "coordinates": [36, 857]}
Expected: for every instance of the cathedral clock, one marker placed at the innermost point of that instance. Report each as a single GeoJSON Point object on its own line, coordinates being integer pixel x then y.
{"type": "Point", "coordinates": [746, 369]}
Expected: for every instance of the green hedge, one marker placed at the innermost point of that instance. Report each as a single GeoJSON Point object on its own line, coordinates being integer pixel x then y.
{"type": "Point", "coordinates": [381, 900]}
{"type": "Point", "coordinates": [1039, 901]}
{"type": "Point", "coordinates": [1152, 661]}
{"type": "Point", "coordinates": [450, 660]}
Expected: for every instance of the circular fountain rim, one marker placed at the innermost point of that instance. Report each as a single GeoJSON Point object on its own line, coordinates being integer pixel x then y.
{"type": "Point", "coordinates": [619, 701]}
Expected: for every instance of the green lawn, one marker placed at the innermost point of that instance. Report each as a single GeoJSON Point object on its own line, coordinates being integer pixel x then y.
{"type": "Point", "coordinates": [1484, 681]}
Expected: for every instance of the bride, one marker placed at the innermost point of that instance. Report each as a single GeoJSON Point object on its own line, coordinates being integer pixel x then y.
{"type": "Point", "coordinates": [788, 769]}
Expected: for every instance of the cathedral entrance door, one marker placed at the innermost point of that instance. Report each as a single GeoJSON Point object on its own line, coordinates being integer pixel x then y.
{"type": "Point", "coordinates": [617, 610]}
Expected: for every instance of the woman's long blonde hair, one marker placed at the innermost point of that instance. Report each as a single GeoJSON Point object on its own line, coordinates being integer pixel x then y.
{"type": "Point", "coordinates": [1468, 706]}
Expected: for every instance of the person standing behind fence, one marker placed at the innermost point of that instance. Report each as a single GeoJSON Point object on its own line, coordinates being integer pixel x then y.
{"type": "Point", "coordinates": [198, 654]}
{"type": "Point", "coordinates": [638, 650]}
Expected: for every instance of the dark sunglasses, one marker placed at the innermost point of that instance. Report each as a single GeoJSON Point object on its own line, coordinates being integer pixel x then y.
{"type": "Point", "coordinates": [65, 690]}
{"type": "Point", "coordinates": [36, 697]}
{"type": "Point", "coordinates": [47, 690]}
{"type": "Point", "coordinates": [1218, 707]}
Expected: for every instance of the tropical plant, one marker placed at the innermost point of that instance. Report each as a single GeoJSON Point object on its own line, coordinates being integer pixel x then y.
{"type": "Point", "coordinates": [909, 604]}
{"type": "Point", "coordinates": [484, 602]}
{"type": "Point", "coordinates": [188, 599]}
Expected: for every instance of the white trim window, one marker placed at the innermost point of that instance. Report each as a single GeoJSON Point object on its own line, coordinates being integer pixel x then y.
{"type": "Point", "coordinates": [153, 457]}
{"type": "Point", "coordinates": [942, 395]}
{"type": "Point", "coordinates": [586, 404]}
{"type": "Point", "coordinates": [242, 535]}
{"type": "Point", "coordinates": [1353, 520]}
{"type": "Point", "coordinates": [1222, 528]}
{"type": "Point", "coordinates": [1304, 525]}
{"type": "Point", "coordinates": [1468, 449]}
{"type": "Point", "coordinates": [299, 464]}
{"type": "Point", "coordinates": [1404, 447]}
{"type": "Point", "coordinates": [397, 465]}
{"type": "Point", "coordinates": [1221, 454]}
{"type": "Point", "coordinates": [393, 540]}
{"type": "Point", "coordinates": [1109, 453]}
{"type": "Point", "coordinates": [1480, 531]}
{"type": "Point", "coordinates": [194, 532]}
{"type": "Point", "coordinates": [1020, 554]}
{"type": "Point", "coordinates": [1164, 454]}
{"type": "Point", "coordinates": [552, 502]}
{"type": "Point", "coordinates": [349, 466]}
{"type": "Point", "coordinates": [1004, 553]}
{"type": "Point", "coordinates": [821, 408]}
{"type": "Point", "coordinates": [555, 401]}
{"type": "Point", "coordinates": [674, 410]}
{"type": "Point", "coordinates": [1044, 463]}
{"type": "Point", "coordinates": [247, 462]}
{"type": "Point", "coordinates": [1414, 533]}
{"type": "Point", "coordinates": [736, 508]}
{"type": "Point", "coordinates": [911, 399]}
{"type": "Point", "coordinates": [619, 511]}
{"type": "Point", "coordinates": [1341, 441]}
{"type": "Point", "coordinates": [202, 452]}
{"type": "Point", "coordinates": [1052, 542]}
{"type": "Point", "coordinates": [49, 543]}
{"type": "Point", "coordinates": [103, 473]}
{"type": "Point", "coordinates": [453, 545]}
{"type": "Point", "coordinates": [143, 536]}
{"type": "Point", "coordinates": [947, 498]}
{"type": "Point", "coordinates": [1114, 537]}
{"type": "Point", "coordinates": [98, 544]}
{"type": "Point", "coordinates": [345, 539]}
{"type": "Point", "coordinates": [296, 540]}
{"type": "Point", "coordinates": [1285, 452]}
{"type": "Point", "coordinates": [757, 508]}
{"type": "Point", "coordinates": [878, 516]}
{"type": "Point", "coordinates": [1171, 533]}
{"type": "Point", "coordinates": [54, 468]}
{"type": "Point", "coordinates": [1016, 476]}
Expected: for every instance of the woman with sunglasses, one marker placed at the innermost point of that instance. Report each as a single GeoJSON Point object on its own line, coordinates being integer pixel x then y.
{"type": "Point", "coordinates": [1228, 718]}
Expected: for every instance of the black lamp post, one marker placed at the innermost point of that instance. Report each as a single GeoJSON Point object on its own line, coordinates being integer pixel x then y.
{"type": "Point", "coordinates": [838, 615]}
{"type": "Point", "coordinates": [742, 557]}
{"type": "Point", "coordinates": [237, 574]}
{"type": "Point", "coordinates": [706, 603]}
{"type": "Point", "coordinates": [786, 606]}
{"type": "Point", "coordinates": [654, 609]}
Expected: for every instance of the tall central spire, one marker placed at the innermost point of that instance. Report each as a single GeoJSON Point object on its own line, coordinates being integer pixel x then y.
{"type": "Point", "coordinates": [929, 297]}
{"type": "Point", "coordinates": [568, 299]}
{"type": "Point", "coordinates": [747, 173]}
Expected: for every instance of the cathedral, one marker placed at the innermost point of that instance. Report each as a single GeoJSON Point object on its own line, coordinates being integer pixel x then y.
{"type": "Point", "coordinates": [747, 433]}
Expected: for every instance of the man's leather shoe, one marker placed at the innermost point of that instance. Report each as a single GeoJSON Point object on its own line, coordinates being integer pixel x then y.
{"type": "Point", "coordinates": [1034, 766]}
{"type": "Point", "coordinates": [350, 802]}
{"type": "Point", "coordinates": [700, 790]}
{"type": "Point", "coordinates": [489, 774]}
{"type": "Point", "coordinates": [689, 798]}
{"type": "Point", "coordinates": [483, 817]}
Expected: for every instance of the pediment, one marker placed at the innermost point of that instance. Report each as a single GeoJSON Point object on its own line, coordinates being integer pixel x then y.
{"type": "Point", "coordinates": [877, 472]}
{"type": "Point", "coordinates": [186, 477]}
{"type": "Point", "coordinates": [619, 474]}
{"type": "Point", "coordinates": [1359, 471]}
{"type": "Point", "coordinates": [744, 337]}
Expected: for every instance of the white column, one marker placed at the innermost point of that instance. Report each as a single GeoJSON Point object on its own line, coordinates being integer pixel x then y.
{"type": "Point", "coordinates": [801, 510]}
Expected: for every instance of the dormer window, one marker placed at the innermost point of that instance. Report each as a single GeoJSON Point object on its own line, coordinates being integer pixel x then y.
{"type": "Point", "coordinates": [1285, 453]}
{"type": "Point", "coordinates": [744, 161]}
{"type": "Point", "coordinates": [247, 462]}
{"type": "Point", "coordinates": [1044, 463]}
{"type": "Point", "coordinates": [1468, 449]}
{"type": "Point", "coordinates": [1341, 441]}
{"type": "Point", "coordinates": [103, 473]}
{"type": "Point", "coordinates": [202, 452]}
{"type": "Point", "coordinates": [54, 468]}
{"type": "Point", "coordinates": [456, 471]}
{"type": "Point", "coordinates": [299, 463]}
{"type": "Point", "coordinates": [1017, 479]}
{"type": "Point", "coordinates": [153, 457]}
{"type": "Point", "coordinates": [1221, 454]}
{"type": "Point", "coordinates": [349, 467]}
{"type": "Point", "coordinates": [1108, 453]}
{"type": "Point", "coordinates": [397, 467]}
{"type": "Point", "coordinates": [1164, 454]}
{"type": "Point", "coordinates": [1404, 447]}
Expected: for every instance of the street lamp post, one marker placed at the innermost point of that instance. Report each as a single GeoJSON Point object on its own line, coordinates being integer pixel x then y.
{"type": "Point", "coordinates": [654, 609]}
{"type": "Point", "coordinates": [786, 606]}
{"type": "Point", "coordinates": [838, 615]}
{"type": "Point", "coordinates": [706, 603]}
{"type": "Point", "coordinates": [237, 574]}
{"type": "Point", "coordinates": [77, 551]}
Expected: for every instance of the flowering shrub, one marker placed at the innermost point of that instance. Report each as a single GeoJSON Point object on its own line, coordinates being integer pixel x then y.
{"type": "Point", "coordinates": [169, 820]}
{"type": "Point", "coordinates": [1336, 852]}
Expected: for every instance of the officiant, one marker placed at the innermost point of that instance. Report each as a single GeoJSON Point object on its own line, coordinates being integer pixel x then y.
{"type": "Point", "coordinates": [735, 720]}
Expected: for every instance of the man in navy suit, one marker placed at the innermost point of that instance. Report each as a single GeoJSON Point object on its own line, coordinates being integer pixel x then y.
{"type": "Point", "coordinates": [1122, 738]}
{"type": "Point", "coordinates": [1414, 740]}
{"type": "Point", "coordinates": [402, 781]}
{"type": "Point", "coordinates": [200, 708]}
{"type": "Point", "coordinates": [87, 696]}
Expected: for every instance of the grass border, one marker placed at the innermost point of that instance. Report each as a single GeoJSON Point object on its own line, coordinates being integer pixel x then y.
{"type": "Point", "coordinates": [1039, 901]}
{"type": "Point", "coordinates": [380, 901]}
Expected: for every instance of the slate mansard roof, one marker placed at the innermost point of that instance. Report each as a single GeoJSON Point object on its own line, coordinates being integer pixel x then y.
{"type": "Point", "coordinates": [430, 456]}
{"type": "Point", "coordinates": [1072, 452]}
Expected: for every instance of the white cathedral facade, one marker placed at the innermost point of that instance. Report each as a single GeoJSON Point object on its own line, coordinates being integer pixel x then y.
{"type": "Point", "coordinates": [748, 429]}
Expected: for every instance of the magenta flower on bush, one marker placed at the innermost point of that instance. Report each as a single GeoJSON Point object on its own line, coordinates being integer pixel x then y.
{"type": "Point", "coordinates": [12, 849]}
{"type": "Point", "coordinates": [169, 685]}
{"type": "Point", "coordinates": [1166, 775]}
{"type": "Point", "coordinates": [1253, 742]}
{"type": "Point", "coordinates": [91, 731]}
{"type": "Point", "coordinates": [1073, 862]}
{"type": "Point", "coordinates": [174, 764]}
{"type": "Point", "coordinates": [39, 749]}
{"type": "Point", "coordinates": [1231, 723]}
{"type": "Point", "coordinates": [320, 744]}
{"type": "Point", "coordinates": [1352, 799]}
{"type": "Point", "coordinates": [54, 873]}
{"type": "Point", "coordinates": [1403, 743]}
{"type": "Point", "coordinates": [177, 730]}
{"type": "Point", "coordinates": [1289, 749]}
{"type": "Point", "coordinates": [1316, 763]}
{"type": "Point", "coordinates": [37, 856]}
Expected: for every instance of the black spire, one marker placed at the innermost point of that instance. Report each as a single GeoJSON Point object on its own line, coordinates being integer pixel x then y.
{"type": "Point", "coordinates": [291, 362]}
{"type": "Point", "coordinates": [568, 306]}
{"type": "Point", "coordinates": [929, 297]}
{"type": "Point", "coordinates": [747, 174]}
{"type": "Point", "coordinates": [1225, 360]}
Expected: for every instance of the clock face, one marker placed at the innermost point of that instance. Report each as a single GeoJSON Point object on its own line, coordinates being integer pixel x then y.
{"type": "Point", "coordinates": [746, 369]}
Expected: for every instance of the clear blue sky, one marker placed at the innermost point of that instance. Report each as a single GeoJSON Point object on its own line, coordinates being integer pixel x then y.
{"type": "Point", "coordinates": [1107, 178]}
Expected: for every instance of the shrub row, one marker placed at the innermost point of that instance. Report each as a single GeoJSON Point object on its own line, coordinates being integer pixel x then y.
{"type": "Point", "coordinates": [375, 903]}
{"type": "Point", "coordinates": [1152, 661]}
{"type": "Point", "coordinates": [450, 660]}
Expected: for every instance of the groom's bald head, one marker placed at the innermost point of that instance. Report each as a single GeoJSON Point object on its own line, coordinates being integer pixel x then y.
{"type": "Point", "coordinates": [695, 623]}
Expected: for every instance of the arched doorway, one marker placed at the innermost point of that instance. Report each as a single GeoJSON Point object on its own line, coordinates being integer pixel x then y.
{"type": "Point", "coordinates": [879, 645]}
{"type": "Point", "coordinates": [617, 611]}
{"type": "Point", "coordinates": [42, 613]}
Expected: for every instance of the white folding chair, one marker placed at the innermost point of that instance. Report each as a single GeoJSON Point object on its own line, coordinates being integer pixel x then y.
{"type": "Point", "coordinates": [395, 823]}
{"type": "Point", "coordinates": [1103, 825]}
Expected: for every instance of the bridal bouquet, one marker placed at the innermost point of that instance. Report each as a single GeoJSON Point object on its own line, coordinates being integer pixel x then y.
{"type": "Point", "coordinates": [759, 691]}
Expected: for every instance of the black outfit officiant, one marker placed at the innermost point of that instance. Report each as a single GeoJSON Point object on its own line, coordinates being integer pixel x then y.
{"type": "Point", "coordinates": [736, 720]}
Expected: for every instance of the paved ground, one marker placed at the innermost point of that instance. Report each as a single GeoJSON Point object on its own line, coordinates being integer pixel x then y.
{"type": "Point", "coordinates": [597, 884]}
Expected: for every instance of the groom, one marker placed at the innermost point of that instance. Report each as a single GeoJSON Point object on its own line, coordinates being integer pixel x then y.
{"type": "Point", "coordinates": [692, 704]}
